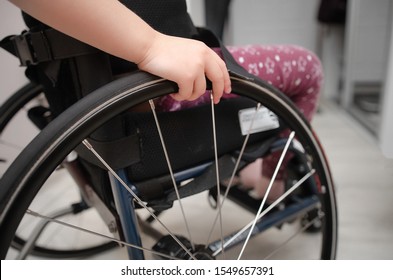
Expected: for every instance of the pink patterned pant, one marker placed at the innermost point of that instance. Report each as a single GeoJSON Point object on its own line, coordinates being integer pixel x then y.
{"type": "Point", "coordinates": [295, 71]}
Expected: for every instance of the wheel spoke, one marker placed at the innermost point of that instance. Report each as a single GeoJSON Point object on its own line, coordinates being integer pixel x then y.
{"type": "Point", "coordinates": [219, 213]}
{"type": "Point", "coordinates": [171, 171]}
{"type": "Point", "coordinates": [36, 233]}
{"type": "Point", "coordinates": [139, 201]}
{"type": "Point", "coordinates": [267, 210]}
{"type": "Point", "coordinates": [55, 220]}
{"type": "Point", "coordinates": [233, 172]}
{"type": "Point", "coordinates": [301, 230]}
{"type": "Point", "coordinates": [284, 152]}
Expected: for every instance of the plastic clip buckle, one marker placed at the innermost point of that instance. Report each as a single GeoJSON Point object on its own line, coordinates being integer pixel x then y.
{"type": "Point", "coordinates": [23, 48]}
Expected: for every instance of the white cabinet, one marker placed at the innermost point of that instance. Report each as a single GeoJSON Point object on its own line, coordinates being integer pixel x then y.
{"type": "Point", "coordinates": [367, 43]}
{"type": "Point", "coordinates": [386, 133]}
{"type": "Point", "coordinates": [367, 74]}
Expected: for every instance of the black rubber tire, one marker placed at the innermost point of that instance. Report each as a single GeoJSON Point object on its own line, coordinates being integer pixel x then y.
{"type": "Point", "coordinates": [8, 110]}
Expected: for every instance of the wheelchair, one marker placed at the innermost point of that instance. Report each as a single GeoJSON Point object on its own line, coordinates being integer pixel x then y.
{"type": "Point", "coordinates": [138, 169]}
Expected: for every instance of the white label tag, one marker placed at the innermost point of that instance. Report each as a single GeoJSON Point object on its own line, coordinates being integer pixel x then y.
{"type": "Point", "coordinates": [263, 120]}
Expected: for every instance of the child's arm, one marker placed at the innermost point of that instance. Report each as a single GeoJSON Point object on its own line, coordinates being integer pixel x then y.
{"type": "Point", "coordinates": [110, 26]}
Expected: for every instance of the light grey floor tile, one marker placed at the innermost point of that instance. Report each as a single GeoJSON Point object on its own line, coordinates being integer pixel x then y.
{"type": "Point", "coordinates": [364, 186]}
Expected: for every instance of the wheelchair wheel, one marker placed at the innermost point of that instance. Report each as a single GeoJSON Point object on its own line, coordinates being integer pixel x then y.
{"type": "Point", "coordinates": [14, 109]}
{"type": "Point", "coordinates": [28, 105]}
{"type": "Point", "coordinates": [16, 102]}
{"type": "Point", "coordinates": [77, 128]}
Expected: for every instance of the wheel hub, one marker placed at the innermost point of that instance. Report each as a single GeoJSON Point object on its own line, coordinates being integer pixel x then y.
{"type": "Point", "coordinates": [169, 246]}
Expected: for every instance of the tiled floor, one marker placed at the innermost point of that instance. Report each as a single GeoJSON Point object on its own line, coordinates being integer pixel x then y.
{"type": "Point", "coordinates": [364, 186]}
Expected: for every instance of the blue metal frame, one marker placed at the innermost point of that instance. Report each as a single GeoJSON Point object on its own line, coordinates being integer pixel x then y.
{"type": "Point", "coordinates": [125, 206]}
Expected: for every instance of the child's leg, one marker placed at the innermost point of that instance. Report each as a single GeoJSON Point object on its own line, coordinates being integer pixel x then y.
{"type": "Point", "coordinates": [294, 70]}
{"type": "Point", "coordinates": [297, 73]}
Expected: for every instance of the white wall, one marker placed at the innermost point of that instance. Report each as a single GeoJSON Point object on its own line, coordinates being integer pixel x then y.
{"type": "Point", "coordinates": [274, 22]}
{"type": "Point", "coordinates": [11, 75]}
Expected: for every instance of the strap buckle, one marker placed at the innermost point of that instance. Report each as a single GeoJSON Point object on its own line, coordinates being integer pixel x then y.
{"type": "Point", "coordinates": [22, 44]}
{"type": "Point", "coordinates": [32, 48]}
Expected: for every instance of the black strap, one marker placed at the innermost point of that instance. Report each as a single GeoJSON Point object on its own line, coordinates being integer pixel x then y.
{"type": "Point", "coordinates": [201, 183]}
{"type": "Point", "coordinates": [47, 45]}
{"type": "Point", "coordinates": [118, 153]}
{"type": "Point", "coordinates": [208, 37]}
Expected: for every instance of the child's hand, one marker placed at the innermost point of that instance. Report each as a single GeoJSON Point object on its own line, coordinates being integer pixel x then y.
{"type": "Point", "coordinates": [186, 62]}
